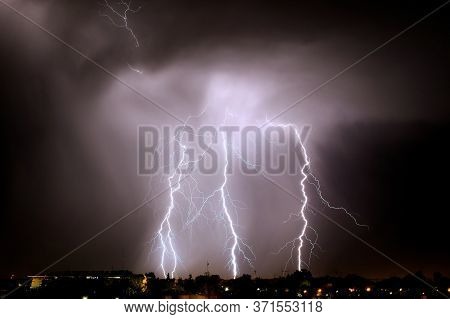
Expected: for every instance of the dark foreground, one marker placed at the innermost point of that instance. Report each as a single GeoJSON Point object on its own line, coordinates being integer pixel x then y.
{"type": "Point", "coordinates": [124, 284]}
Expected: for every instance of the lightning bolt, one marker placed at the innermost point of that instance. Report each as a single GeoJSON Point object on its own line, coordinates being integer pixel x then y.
{"type": "Point", "coordinates": [165, 233]}
{"type": "Point", "coordinates": [305, 200]}
{"type": "Point", "coordinates": [306, 177]}
{"type": "Point", "coordinates": [119, 17]}
{"type": "Point", "coordinates": [238, 245]}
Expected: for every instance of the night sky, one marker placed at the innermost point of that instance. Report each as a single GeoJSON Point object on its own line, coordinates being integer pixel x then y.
{"type": "Point", "coordinates": [379, 138]}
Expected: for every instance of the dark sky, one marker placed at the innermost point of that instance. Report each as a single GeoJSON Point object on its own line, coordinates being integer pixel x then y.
{"type": "Point", "coordinates": [379, 139]}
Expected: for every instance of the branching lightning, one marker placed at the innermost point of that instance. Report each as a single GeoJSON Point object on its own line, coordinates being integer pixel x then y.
{"type": "Point", "coordinates": [189, 202]}
{"type": "Point", "coordinates": [306, 177]}
{"type": "Point", "coordinates": [238, 246]}
{"type": "Point", "coordinates": [198, 205]}
{"type": "Point", "coordinates": [165, 233]}
{"type": "Point", "coordinates": [315, 182]}
{"type": "Point", "coordinates": [119, 16]}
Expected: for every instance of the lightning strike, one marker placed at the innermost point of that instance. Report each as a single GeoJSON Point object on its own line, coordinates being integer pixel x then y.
{"type": "Point", "coordinates": [198, 204]}
{"type": "Point", "coordinates": [165, 232]}
{"type": "Point", "coordinates": [238, 246]}
{"type": "Point", "coordinates": [307, 177]}
{"type": "Point", "coordinates": [305, 201]}
{"type": "Point", "coordinates": [119, 16]}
